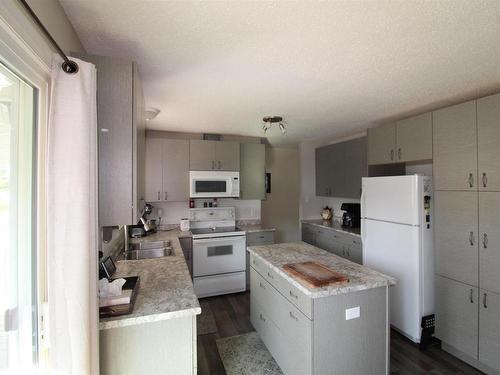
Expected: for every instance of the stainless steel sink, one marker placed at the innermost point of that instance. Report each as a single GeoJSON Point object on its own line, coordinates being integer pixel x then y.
{"type": "Point", "coordinates": [149, 250]}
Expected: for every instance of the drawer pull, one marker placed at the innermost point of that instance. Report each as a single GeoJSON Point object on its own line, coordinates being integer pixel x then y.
{"type": "Point", "coordinates": [484, 301]}
{"type": "Point", "coordinates": [262, 318]}
{"type": "Point", "coordinates": [262, 285]}
{"type": "Point", "coordinates": [293, 316]}
{"type": "Point", "coordinates": [262, 237]}
{"type": "Point", "coordinates": [471, 238]}
{"type": "Point", "coordinates": [270, 276]}
{"type": "Point", "coordinates": [471, 296]}
{"type": "Point", "coordinates": [293, 295]}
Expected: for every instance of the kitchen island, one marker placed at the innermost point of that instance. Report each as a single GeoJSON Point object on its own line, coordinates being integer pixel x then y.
{"type": "Point", "coordinates": [337, 329]}
{"type": "Point", "coordinates": [159, 336]}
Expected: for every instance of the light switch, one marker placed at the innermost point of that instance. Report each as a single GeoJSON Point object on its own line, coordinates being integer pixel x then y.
{"type": "Point", "coordinates": [352, 313]}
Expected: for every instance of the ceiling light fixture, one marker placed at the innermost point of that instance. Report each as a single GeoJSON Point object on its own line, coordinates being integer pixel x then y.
{"type": "Point", "coordinates": [150, 113]}
{"type": "Point", "coordinates": [270, 120]}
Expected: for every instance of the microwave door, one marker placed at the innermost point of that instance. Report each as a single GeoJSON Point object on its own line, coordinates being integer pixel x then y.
{"type": "Point", "coordinates": [210, 186]}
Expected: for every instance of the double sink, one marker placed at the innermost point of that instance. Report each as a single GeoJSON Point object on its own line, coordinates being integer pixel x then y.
{"type": "Point", "coordinates": [149, 250]}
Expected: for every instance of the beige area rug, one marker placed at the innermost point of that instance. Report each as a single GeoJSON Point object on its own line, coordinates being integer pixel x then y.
{"type": "Point", "coordinates": [246, 355]}
{"type": "Point", "coordinates": [205, 322]}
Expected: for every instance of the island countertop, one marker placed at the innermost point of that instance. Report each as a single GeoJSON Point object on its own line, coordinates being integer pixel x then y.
{"type": "Point", "coordinates": [165, 290]}
{"type": "Point", "coordinates": [360, 277]}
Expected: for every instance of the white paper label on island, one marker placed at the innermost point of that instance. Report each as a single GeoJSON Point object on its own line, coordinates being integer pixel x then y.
{"type": "Point", "coordinates": [352, 313]}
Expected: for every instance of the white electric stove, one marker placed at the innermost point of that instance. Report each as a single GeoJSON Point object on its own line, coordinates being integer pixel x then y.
{"type": "Point", "coordinates": [219, 259]}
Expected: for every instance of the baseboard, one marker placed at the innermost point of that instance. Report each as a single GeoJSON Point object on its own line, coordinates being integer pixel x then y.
{"type": "Point", "coordinates": [468, 359]}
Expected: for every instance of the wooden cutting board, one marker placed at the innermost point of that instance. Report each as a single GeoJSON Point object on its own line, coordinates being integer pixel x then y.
{"type": "Point", "coordinates": [314, 274]}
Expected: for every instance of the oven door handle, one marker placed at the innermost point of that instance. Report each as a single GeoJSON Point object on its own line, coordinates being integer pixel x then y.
{"type": "Point", "coordinates": [217, 239]}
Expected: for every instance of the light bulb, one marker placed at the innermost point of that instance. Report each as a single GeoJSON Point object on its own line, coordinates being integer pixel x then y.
{"type": "Point", "coordinates": [282, 128]}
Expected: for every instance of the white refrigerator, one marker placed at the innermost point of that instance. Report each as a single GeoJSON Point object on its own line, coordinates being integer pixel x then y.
{"type": "Point", "coordinates": [397, 234]}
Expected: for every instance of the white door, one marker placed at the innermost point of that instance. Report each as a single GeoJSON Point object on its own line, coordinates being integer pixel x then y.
{"type": "Point", "coordinates": [213, 256]}
{"type": "Point", "coordinates": [394, 250]}
{"type": "Point", "coordinates": [394, 199]}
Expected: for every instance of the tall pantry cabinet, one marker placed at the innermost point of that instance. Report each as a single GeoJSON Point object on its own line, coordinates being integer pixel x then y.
{"type": "Point", "coordinates": [466, 156]}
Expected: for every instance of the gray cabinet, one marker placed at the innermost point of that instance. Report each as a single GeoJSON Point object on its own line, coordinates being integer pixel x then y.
{"type": "Point", "coordinates": [382, 144]}
{"type": "Point", "coordinates": [455, 147]}
{"type": "Point", "coordinates": [308, 234]}
{"type": "Point", "coordinates": [489, 241]}
{"type": "Point", "coordinates": [339, 168]}
{"type": "Point", "coordinates": [214, 155]}
{"type": "Point", "coordinates": [167, 170]}
{"type": "Point", "coordinates": [414, 138]}
{"type": "Point", "coordinates": [256, 239]}
{"type": "Point", "coordinates": [457, 315]}
{"type": "Point", "coordinates": [121, 124]}
{"type": "Point", "coordinates": [456, 235]}
{"type": "Point", "coordinates": [252, 171]}
{"type": "Point", "coordinates": [489, 329]}
{"type": "Point", "coordinates": [488, 140]}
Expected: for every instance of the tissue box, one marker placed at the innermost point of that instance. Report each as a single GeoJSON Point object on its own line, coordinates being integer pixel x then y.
{"type": "Point", "coordinates": [129, 290]}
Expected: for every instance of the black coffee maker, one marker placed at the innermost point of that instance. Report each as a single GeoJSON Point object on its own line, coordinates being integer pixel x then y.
{"type": "Point", "coordinates": [352, 215]}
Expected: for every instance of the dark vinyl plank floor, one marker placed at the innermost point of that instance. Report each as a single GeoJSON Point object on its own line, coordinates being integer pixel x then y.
{"type": "Point", "coordinates": [232, 317]}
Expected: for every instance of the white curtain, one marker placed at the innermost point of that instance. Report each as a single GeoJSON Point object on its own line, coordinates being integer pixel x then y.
{"type": "Point", "coordinates": [72, 221]}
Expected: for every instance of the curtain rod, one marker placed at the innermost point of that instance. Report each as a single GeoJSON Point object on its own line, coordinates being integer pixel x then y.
{"type": "Point", "coordinates": [69, 66]}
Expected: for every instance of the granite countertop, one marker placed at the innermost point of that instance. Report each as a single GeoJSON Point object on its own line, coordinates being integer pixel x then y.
{"type": "Point", "coordinates": [252, 228]}
{"type": "Point", "coordinates": [333, 224]}
{"type": "Point", "coordinates": [360, 277]}
{"type": "Point", "coordinates": [165, 290]}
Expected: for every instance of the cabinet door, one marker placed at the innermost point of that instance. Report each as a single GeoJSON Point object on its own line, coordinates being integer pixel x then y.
{"type": "Point", "coordinates": [489, 241]}
{"type": "Point", "coordinates": [201, 155]}
{"type": "Point", "coordinates": [336, 169]}
{"type": "Point", "coordinates": [253, 171]}
{"type": "Point", "coordinates": [457, 315]}
{"type": "Point", "coordinates": [489, 329]}
{"type": "Point", "coordinates": [154, 170]}
{"type": "Point", "coordinates": [382, 144]}
{"type": "Point", "coordinates": [323, 187]}
{"type": "Point", "coordinates": [227, 156]}
{"type": "Point", "coordinates": [175, 170]}
{"type": "Point", "coordinates": [414, 138]}
{"type": "Point", "coordinates": [456, 235]}
{"type": "Point", "coordinates": [455, 147]}
{"type": "Point", "coordinates": [322, 240]}
{"type": "Point", "coordinates": [354, 167]}
{"type": "Point", "coordinates": [307, 234]}
{"type": "Point", "coordinates": [488, 140]}
{"type": "Point", "coordinates": [355, 253]}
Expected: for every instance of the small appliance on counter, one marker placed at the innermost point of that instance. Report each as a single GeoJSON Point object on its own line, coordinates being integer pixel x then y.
{"type": "Point", "coordinates": [352, 215]}
{"type": "Point", "coordinates": [184, 224]}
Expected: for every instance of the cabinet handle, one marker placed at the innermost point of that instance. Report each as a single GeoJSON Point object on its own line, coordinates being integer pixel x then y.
{"type": "Point", "coordinates": [262, 285]}
{"type": "Point", "coordinates": [484, 301]}
{"type": "Point", "coordinates": [293, 316]}
{"type": "Point", "coordinates": [471, 296]}
{"type": "Point", "coordinates": [348, 252]}
{"type": "Point", "coordinates": [220, 164]}
{"type": "Point", "coordinates": [158, 195]}
{"type": "Point", "coordinates": [485, 180]}
{"type": "Point", "coordinates": [262, 318]}
{"type": "Point", "coordinates": [213, 164]}
{"type": "Point", "coordinates": [166, 195]}
{"type": "Point", "coordinates": [471, 180]}
{"type": "Point", "coordinates": [471, 238]}
{"type": "Point", "coordinates": [392, 154]}
{"type": "Point", "coordinates": [399, 153]}
{"type": "Point", "coordinates": [270, 276]}
{"type": "Point", "coordinates": [343, 251]}
{"type": "Point", "coordinates": [293, 295]}
{"type": "Point", "coordinates": [485, 240]}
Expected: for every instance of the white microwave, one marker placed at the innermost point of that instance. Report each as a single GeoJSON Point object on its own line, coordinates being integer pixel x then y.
{"type": "Point", "coordinates": [214, 184]}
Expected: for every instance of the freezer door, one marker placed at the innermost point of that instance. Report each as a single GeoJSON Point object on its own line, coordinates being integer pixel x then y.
{"type": "Point", "coordinates": [394, 249]}
{"type": "Point", "coordinates": [395, 199]}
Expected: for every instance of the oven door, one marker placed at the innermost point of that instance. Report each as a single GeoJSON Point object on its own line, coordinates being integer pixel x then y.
{"type": "Point", "coordinates": [213, 256]}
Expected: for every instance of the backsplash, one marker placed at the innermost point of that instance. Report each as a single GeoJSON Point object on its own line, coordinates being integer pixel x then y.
{"type": "Point", "coordinates": [173, 212]}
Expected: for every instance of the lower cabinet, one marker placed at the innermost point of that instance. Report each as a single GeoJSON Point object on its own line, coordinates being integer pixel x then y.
{"type": "Point", "coordinates": [265, 237]}
{"type": "Point", "coordinates": [489, 329]}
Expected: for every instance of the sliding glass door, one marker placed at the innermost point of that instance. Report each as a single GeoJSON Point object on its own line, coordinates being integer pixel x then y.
{"type": "Point", "coordinates": [18, 263]}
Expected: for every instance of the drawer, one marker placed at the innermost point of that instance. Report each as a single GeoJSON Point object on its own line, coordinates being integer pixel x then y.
{"type": "Point", "coordinates": [257, 264]}
{"type": "Point", "coordinates": [302, 301]}
{"type": "Point", "coordinates": [260, 238]}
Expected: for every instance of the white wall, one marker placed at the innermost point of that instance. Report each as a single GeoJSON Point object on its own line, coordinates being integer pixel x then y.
{"type": "Point", "coordinates": [310, 205]}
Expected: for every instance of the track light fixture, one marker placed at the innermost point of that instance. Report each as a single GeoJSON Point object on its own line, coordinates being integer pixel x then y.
{"type": "Point", "coordinates": [270, 120]}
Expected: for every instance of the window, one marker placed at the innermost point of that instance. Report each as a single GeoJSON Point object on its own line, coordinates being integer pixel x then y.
{"type": "Point", "coordinates": [18, 261]}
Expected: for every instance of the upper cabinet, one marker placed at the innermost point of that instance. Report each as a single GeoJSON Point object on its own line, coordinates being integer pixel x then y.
{"type": "Point", "coordinates": [253, 170]}
{"type": "Point", "coordinates": [214, 155]}
{"type": "Point", "coordinates": [382, 144]}
{"type": "Point", "coordinates": [167, 170]}
{"type": "Point", "coordinates": [402, 141]}
{"type": "Point", "coordinates": [455, 147]}
{"type": "Point", "coordinates": [488, 140]}
{"type": "Point", "coordinates": [121, 125]}
{"type": "Point", "coordinates": [339, 168]}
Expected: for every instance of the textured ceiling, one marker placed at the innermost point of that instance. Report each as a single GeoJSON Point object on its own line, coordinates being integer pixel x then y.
{"type": "Point", "coordinates": [329, 68]}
